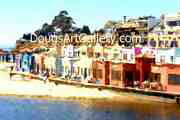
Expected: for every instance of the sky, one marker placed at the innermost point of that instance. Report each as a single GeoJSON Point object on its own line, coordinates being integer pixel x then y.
{"type": "Point", "coordinates": [24, 16]}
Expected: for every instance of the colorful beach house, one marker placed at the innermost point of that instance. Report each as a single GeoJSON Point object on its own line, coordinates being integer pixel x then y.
{"type": "Point", "coordinates": [166, 71]}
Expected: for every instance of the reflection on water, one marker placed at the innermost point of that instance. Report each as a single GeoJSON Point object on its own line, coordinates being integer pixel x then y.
{"type": "Point", "coordinates": [12, 108]}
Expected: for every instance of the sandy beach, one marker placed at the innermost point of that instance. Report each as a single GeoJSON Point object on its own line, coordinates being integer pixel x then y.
{"type": "Point", "coordinates": [23, 86]}
{"type": "Point", "coordinates": [20, 86]}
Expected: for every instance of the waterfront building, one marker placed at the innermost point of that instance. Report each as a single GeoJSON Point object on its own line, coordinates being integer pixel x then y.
{"type": "Point", "coordinates": [122, 74]}
{"type": "Point", "coordinates": [68, 59]}
{"type": "Point", "coordinates": [100, 72]}
{"type": "Point", "coordinates": [166, 34]}
{"type": "Point", "coordinates": [18, 62]}
{"type": "Point", "coordinates": [122, 66]}
{"type": "Point", "coordinates": [167, 56]}
{"type": "Point", "coordinates": [50, 60]}
{"type": "Point", "coordinates": [59, 67]}
{"type": "Point", "coordinates": [136, 26]}
{"type": "Point", "coordinates": [168, 75]}
{"type": "Point", "coordinates": [39, 61]}
{"type": "Point", "coordinates": [166, 71]}
{"type": "Point", "coordinates": [84, 65]}
{"type": "Point", "coordinates": [143, 67]}
{"type": "Point", "coordinates": [26, 62]}
{"type": "Point", "coordinates": [2, 53]}
{"type": "Point", "coordinates": [163, 40]}
{"type": "Point", "coordinates": [171, 23]}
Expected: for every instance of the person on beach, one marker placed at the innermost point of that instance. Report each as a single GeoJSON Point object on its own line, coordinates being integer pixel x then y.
{"type": "Point", "coordinates": [11, 70]}
{"type": "Point", "coordinates": [46, 76]}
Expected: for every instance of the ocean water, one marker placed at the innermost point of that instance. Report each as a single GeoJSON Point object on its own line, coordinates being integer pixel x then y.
{"type": "Point", "coordinates": [14, 108]}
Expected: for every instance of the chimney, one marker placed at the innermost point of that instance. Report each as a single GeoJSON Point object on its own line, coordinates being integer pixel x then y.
{"type": "Point", "coordinates": [124, 19]}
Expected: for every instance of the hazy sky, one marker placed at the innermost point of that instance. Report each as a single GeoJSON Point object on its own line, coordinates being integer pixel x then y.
{"type": "Point", "coordinates": [22, 16]}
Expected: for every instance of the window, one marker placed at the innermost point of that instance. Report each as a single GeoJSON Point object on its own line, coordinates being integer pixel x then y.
{"type": "Point", "coordinates": [116, 75]}
{"type": "Point", "coordinates": [125, 56]}
{"type": "Point", "coordinates": [173, 23]}
{"type": "Point", "coordinates": [152, 43]}
{"type": "Point", "coordinates": [173, 79]}
{"type": "Point", "coordinates": [81, 71]}
{"type": "Point", "coordinates": [94, 73]}
{"type": "Point", "coordinates": [90, 54]}
{"type": "Point", "coordinates": [99, 74]}
{"type": "Point", "coordinates": [172, 59]}
{"type": "Point", "coordinates": [105, 55]}
{"type": "Point", "coordinates": [89, 71]}
{"type": "Point", "coordinates": [155, 77]}
{"type": "Point", "coordinates": [174, 44]}
{"type": "Point", "coordinates": [170, 33]}
{"type": "Point", "coordinates": [97, 55]}
{"type": "Point", "coordinates": [70, 54]}
{"type": "Point", "coordinates": [132, 56]}
{"type": "Point", "coordinates": [76, 53]}
{"type": "Point", "coordinates": [166, 44]}
{"type": "Point", "coordinates": [161, 43]}
{"type": "Point", "coordinates": [162, 59]}
{"type": "Point", "coordinates": [115, 55]}
{"type": "Point", "coordinates": [83, 53]}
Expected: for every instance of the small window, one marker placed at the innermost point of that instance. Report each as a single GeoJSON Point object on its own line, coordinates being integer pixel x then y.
{"type": "Point", "coordinates": [174, 44]}
{"type": "Point", "coordinates": [162, 59]}
{"type": "Point", "coordinates": [125, 56]}
{"type": "Point", "coordinates": [97, 55]}
{"type": "Point", "coordinates": [116, 75]}
{"type": "Point", "coordinates": [83, 53]}
{"type": "Point", "coordinates": [99, 74]}
{"type": "Point", "coordinates": [155, 77]}
{"type": "Point", "coordinates": [105, 55]}
{"type": "Point", "coordinates": [78, 53]}
{"type": "Point", "coordinates": [132, 56]}
{"type": "Point", "coordinates": [82, 71]}
{"type": "Point", "coordinates": [90, 54]}
{"type": "Point", "coordinates": [115, 55]}
{"type": "Point", "coordinates": [94, 73]}
{"type": "Point", "coordinates": [173, 79]}
{"type": "Point", "coordinates": [172, 59]}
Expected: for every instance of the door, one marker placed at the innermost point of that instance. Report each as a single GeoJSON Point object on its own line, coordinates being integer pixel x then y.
{"type": "Point", "coordinates": [129, 78]}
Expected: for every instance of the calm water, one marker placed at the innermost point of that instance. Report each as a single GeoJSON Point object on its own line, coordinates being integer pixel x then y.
{"type": "Point", "coordinates": [12, 108]}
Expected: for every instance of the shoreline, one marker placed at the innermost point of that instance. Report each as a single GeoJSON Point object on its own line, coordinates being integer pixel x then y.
{"type": "Point", "coordinates": [146, 99]}
{"type": "Point", "coordinates": [111, 96]}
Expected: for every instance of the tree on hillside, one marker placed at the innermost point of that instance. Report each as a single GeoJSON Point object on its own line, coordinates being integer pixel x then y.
{"type": "Point", "coordinates": [28, 36]}
{"type": "Point", "coordinates": [47, 29]}
{"type": "Point", "coordinates": [86, 30]}
{"type": "Point", "coordinates": [76, 30]}
{"type": "Point", "coordinates": [63, 21]}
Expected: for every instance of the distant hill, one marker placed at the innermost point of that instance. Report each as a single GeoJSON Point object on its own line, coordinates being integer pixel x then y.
{"type": "Point", "coordinates": [6, 49]}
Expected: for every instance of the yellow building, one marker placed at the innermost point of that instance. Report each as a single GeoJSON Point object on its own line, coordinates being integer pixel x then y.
{"type": "Point", "coordinates": [164, 41]}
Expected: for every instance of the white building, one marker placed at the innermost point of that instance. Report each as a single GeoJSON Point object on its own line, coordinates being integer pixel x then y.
{"type": "Point", "coordinates": [171, 23]}
{"type": "Point", "coordinates": [167, 56]}
{"type": "Point", "coordinates": [128, 55]}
